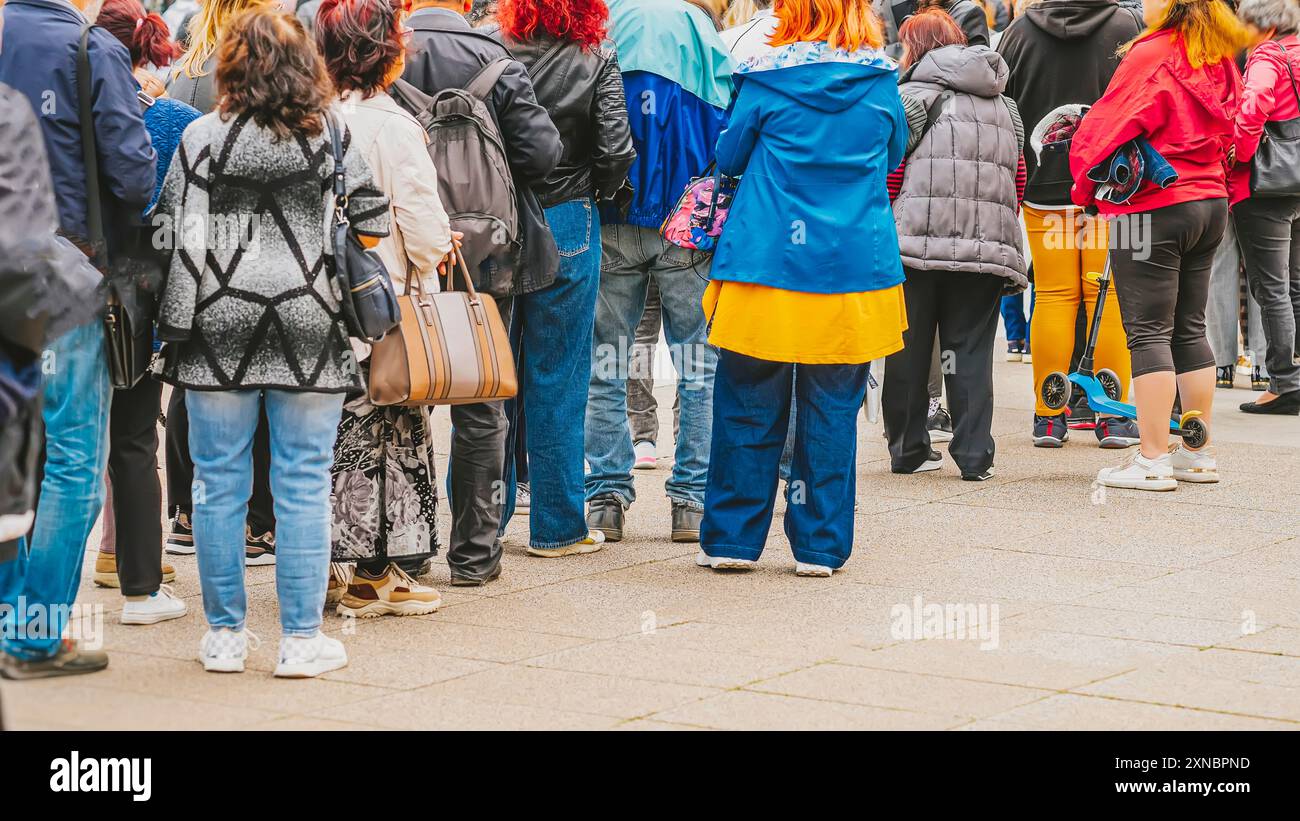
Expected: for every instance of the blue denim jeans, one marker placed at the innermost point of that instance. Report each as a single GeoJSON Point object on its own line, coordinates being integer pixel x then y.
{"type": "Point", "coordinates": [551, 336]}
{"type": "Point", "coordinates": [632, 257]}
{"type": "Point", "coordinates": [303, 427]}
{"type": "Point", "coordinates": [752, 405]}
{"type": "Point", "coordinates": [77, 398]}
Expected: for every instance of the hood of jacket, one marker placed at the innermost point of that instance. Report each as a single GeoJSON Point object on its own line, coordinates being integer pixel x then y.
{"type": "Point", "coordinates": [1072, 19]}
{"type": "Point", "coordinates": [814, 75]}
{"type": "Point", "coordinates": [674, 41]}
{"type": "Point", "coordinates": [977, 70]}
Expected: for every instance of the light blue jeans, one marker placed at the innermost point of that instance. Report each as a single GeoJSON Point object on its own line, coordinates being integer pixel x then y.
{"type": "Point", "coordinates": [44, 580]}
{"type": "Point", "coordinates": [631, 257]}
{"type": "Point", "coordinates": [303, 427]}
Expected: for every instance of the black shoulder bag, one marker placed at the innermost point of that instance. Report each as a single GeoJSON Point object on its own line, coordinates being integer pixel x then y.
{"type": "Point", "coordinates": [1276, 169]}
{"type": "Point", "coordinates": [366, 294]}
{"type": "Point", "coordinates": [128, 322]}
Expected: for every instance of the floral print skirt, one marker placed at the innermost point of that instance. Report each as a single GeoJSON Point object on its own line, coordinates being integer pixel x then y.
{"type": "Point", "coordinates": [384, 497]}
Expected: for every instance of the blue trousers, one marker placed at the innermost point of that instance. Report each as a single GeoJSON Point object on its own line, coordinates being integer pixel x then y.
{"type": "Point", "coordinates": [752, 403]}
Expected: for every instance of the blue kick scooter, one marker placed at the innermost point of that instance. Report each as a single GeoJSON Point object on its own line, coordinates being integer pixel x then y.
{"type": "Point", "coordinates": [1103, 388]}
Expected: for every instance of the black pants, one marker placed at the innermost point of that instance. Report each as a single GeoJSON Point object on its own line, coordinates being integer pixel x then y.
{"type": "Point", "coordinates": [180, 468]}
{"type": "Point", "coordinates": [476, 485]}
{"type": "Point", "coordinates": [137, 492]}
{"type": "Point", "coordinates": [965, 309]}
{"type": "Point", "coordinates": [1268, 231]}
{"type": "Point", "coordinates": [1163, 284]}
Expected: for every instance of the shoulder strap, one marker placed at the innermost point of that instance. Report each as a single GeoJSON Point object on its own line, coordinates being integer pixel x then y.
{"type": "Point", "coordinates": [90, 151]}
{"type": "Point", "coordinates": [1286, 58]}
{"type": "Point", "coordinates": [481, 84]}
{"type": "Point", "coordinates": [545, 59]}
{"type": "Point", "coordinates": [340, 176]}
{"type": "Point", "coordinates": [934, 110]}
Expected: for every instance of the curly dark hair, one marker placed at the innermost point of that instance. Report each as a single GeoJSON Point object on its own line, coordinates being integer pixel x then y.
{"type": "Point", "coordinates": [362, 40]}
{"type": "Point", "coordinates": [268, 67]}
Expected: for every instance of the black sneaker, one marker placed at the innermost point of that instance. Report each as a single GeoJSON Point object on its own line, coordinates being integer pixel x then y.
{"type": "Point", "coordinates": [940, 426]}
{"type": "Point", "coordinates": [932, 462]}
{"type": "Point", "coordinates": [1015, 350]}
{"type": "Point", "coordinates": [1258, 382]}
{"type": "Point", "coordinates": [70, 660]}
{"type": "Point", "coordinates": [1116, 432]}
{"type": "Point", "coordinates": [1225, 376]}
{"type": "Point", "coordinates": [180, 539]}
{"type": "Point", "coordinates": [978, 477]}
{"type": "Point", "coordinates": [258, 550]}
{"type": "Point", "coordinates": [686, 522]}
{"type": "Point", "coordinates": [605, 513]}
{"type": "Point", "coordinates": [1050, 431]}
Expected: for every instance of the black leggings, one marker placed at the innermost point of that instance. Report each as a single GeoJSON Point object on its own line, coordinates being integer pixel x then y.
{"type": "Point", "coordinates": [1162, 278]}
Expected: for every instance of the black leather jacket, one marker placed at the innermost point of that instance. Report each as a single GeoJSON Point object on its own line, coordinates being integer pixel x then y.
{"type": "Point", "coordinates": [582, 90]}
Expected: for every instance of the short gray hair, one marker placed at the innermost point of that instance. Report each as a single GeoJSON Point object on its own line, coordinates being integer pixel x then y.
{"type": "Point", "coordinates": [1283, 15]}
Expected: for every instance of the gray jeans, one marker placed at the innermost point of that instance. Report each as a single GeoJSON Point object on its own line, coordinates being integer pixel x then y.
{"type": "Point", "coordinates": [1270, 246]}
{"type": "Point", "coordinates": [642, 407]}
{"type": "Point", "coordinates": [1223, 311]}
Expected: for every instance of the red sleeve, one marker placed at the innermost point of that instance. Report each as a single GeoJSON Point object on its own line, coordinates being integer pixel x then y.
{"type": "Point", "coordinates": [1134, 104]}
{"type": "Point", "coordinates": [894, 182]}
{"type": "Point", "coordinates": [1264, 73]}
{"type": "Point", "coordinates": [1022, 177]}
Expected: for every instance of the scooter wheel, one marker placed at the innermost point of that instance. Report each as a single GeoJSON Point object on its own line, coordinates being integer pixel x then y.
{"type": "Point", "coordinates": [1055, 390]}
{"type": "Point", "coordinates": [1109, 381]}
{"type": "Point", "coordinates": [1193, 429]}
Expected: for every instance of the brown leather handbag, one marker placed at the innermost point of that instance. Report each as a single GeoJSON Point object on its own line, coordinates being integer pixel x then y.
{"type": "Point", "coordinates": [451, 348]}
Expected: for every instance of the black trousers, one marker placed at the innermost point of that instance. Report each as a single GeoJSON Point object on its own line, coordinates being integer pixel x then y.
{"type": "Point", "coordinates": [964, 307]}
{"type": "Point", "coordinates": [180, 468]}
{"type": "Point", "coordinates": [137, 492]}
{"type": "Point", "coordinates": [1268, 230]}
{"type": "Point", "coordinates": [476, 481]}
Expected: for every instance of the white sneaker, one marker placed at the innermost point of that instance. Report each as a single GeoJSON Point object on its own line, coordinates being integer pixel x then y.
{"type": "Point", "coordinates": [224, 651]}
{"type": "Point", "coordinates": [820, 570]}
{"type": "Point", "coordinates": [1193, 465]}
{"type": "Point", "coordinates": [703, 559]}
{"type": "Point", "coordinates": [1140, 473]}
{"type": "Point", "coordinates": [646, 456]}
{"type": "Point", "coordinates": [159, 606]}
{"type": "Point", "coordinates": [309, 657]}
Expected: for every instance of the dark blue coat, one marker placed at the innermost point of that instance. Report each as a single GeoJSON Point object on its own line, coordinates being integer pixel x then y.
{"type": "Point", "coordinates": [39, 59]}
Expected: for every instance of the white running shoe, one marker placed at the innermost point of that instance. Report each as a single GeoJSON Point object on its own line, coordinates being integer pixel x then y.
{"type": "Point", "coordinates": [160, 605]}
{"type": "Point", "coordinates": [1195, 466]}
{"type": "Point", "coordinates": [309, 657]}
{"type": "Point", "coordinates": [646, 456]}
{"type": "Point", "coordinates": [703, 559]}
{"type": "Point", "coordinates": [819, 570]}
{"type": "Point", "coordinates": [224, 650]}
{"type": "Point", "coordinates": [1140, 473]}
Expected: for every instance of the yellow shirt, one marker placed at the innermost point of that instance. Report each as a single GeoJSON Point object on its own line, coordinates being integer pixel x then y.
{"type": "Point", "coordinates": [810, 329]}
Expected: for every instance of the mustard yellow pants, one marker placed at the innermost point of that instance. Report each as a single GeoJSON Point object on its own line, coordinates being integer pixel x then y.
{"type": "Point", "coordinates": [1065, 246]}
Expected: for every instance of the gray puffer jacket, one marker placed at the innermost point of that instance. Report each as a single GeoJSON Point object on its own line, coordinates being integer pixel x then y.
{"type": "Point", "coordinates": [957, 209]}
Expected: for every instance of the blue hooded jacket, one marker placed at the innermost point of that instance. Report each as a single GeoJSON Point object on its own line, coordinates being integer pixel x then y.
{"type": "Point", "coordinates": [814, 132]}
{"type": "Point", "coordinates": [39, 59]}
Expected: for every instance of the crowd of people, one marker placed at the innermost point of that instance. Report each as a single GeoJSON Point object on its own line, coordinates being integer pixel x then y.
{"type": "Point", "coordinates": [885, 181]}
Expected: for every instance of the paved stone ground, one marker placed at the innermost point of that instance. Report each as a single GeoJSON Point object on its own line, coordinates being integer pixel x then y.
{"type": "Point", "coordinates": [1129, 611]}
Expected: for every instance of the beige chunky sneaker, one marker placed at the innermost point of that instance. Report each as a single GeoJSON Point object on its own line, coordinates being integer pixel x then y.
{"type": "Point", "coordinates": [106, 571]}
{"type": "Point", "coordinates": [393, 594]}
{"type": "Point", "coordinates": [340, 577]}
{"type": "Point", "coordinates": [595, 541]}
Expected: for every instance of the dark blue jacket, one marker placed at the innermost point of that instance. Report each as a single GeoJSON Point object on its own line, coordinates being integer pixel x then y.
{"type": "Point", "coordinates": [39, 59]}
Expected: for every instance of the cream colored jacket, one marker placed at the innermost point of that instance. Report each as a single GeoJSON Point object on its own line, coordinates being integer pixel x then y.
{"type": "Point", "coordinates": [395, 146]}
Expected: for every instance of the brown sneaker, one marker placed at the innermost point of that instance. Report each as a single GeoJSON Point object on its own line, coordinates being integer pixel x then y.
{"type": "Point", "coordinates": [106, 571]}
{"type": "Point", "coordinates": [392, 594]}
{"type": "Point", "coordinates": [258, 550]}
{"type": "Point", "coordinates": [69, 661]}
{"type": "Point", "coordinates": [340, 576]}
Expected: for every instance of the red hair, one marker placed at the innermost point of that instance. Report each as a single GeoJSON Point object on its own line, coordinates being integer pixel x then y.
{"type": "Point", "coordinates": [144, 35]}
{"type": "Point", "coordinates": [925, 31]}
{"type": "Point", "coordinates": [846, 24]}
{"type": "Point", "coordinates": [582, 21]}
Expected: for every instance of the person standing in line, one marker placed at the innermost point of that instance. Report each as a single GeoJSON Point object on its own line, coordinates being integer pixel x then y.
{"type": "Point", "coordinates": [242, 331]}
{"type": "Point", "coordinates": [384, 479]}
{"type": "Point", "coordinates": [956, 210]}
{"type": "Point", "coordinates": [807, 276]}
{"type": "Point", "coordinates": [677, 77]}
{"type": "Point", "coordinates": [1269, 227]}
{"type": "Point", "coordinates": [1063, 53]}
{"type": "Point", "coordinates": [39, 57]}
{"type": "Point", "coordinates": [577, 81]}
{"type": "Point", "coordinates": [1179, 89]}
{"type": "Point", "coordinates": [193, 81]}
{"type": "Point", "coordinates": [448, 53]}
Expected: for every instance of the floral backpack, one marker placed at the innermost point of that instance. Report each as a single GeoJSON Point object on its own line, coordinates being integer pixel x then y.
{"type": "Point", "coordinates": [697, 219]}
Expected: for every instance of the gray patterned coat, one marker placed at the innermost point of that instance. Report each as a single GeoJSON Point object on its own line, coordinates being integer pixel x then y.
{"type": "Point", "coordinates": [250, 301]}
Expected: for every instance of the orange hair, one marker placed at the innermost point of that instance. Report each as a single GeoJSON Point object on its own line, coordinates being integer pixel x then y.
{"type": "Point", "coordinates": [846, 24]}
{"type": "Point", "coordinates": [1210, 32]}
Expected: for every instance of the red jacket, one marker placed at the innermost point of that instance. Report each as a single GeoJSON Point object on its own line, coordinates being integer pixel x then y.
{"type": "Point", "coordinates": [1185, 113]}
{"type": "Point", "coordinates": [1269, 95]}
